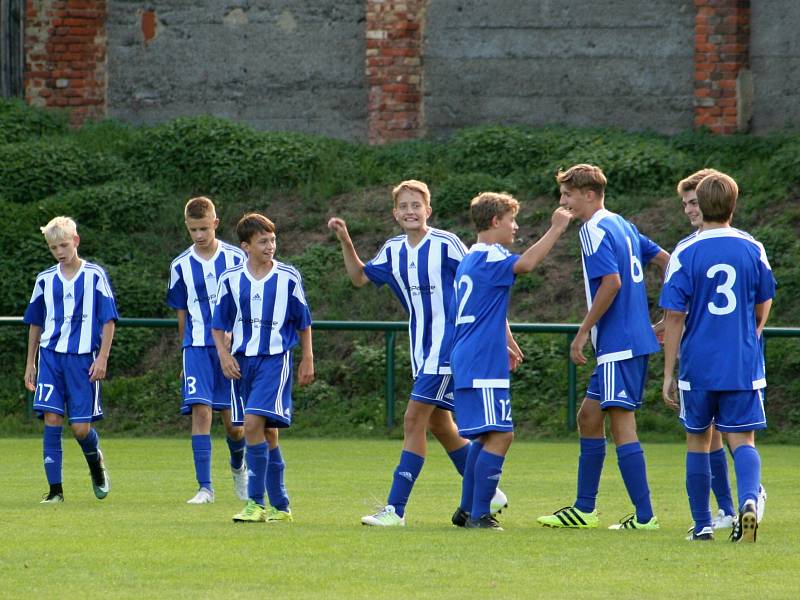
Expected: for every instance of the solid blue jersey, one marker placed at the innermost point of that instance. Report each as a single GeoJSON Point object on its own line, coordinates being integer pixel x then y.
{"type": "Point", "coordinates": [610, 244]}
{"type": "Point", "coordinates": [480, 349]}
{"type": "Point", "coordinates": [193, 288]}
{"type": "Point", "coordinates": [422, 279]}
{"type": "Point", "coordinates": [718, 277]}
{"type": "Point", "coordinates": [72, 313]}
{"type": "Point", "coordinates": [263, 314]}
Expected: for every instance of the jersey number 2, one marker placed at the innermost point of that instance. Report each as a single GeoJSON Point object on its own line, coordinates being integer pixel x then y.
{"type": "Point", "coordinates": [725, 288]}
{"type": "Point", "coordinates": [461, 318]}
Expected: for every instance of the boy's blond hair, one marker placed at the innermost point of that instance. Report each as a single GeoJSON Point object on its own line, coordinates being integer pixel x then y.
{"type": "Point", "coordinates": [252, 224]}
{"type": "Point", "coordinates": [414, 186]}
{"type": "Point", "coordinates": [583, 177]}
{"type": "Point", "coordinates": [59, 228]}
{"type": "Point", "coordinates": [487, 205]}
{"type": "Point", "coordinates": [199, 208]}
{"type": "Point", "coordinates": [690, 183]}
{"type": "Point", "coordinates": [716, 196]}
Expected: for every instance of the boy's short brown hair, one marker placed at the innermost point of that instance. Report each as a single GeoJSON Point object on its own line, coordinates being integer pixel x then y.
{"type": "Point", "coordinates": [199, 208]}
{"type": "Point", "coordinates": [487, 205]}
{"type": "Point", "coordinates": [690, 183]}
{"type": "Point", "coordinates": [414, 186]}
{"type": "Point", "coordinates": [252, 224]}
{"type": "Point", "coordinates": [716, 196]}
{"type": "Point", "coordinates": [583, 177]}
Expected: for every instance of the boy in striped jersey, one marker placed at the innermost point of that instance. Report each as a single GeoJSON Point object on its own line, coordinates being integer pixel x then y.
{"type": "Point", "coordinates": [419, 267]}
{"type": "Point", "coordinates": [614, 254]}
{"type": "Point", "coordinates": [263, 303]}
{"type": "Point", "coordinates": [71, 316]}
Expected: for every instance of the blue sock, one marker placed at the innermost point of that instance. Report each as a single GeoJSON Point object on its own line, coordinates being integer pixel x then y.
{"type": "Point", "coordinates": [747, 464]}
{"type": "Point", "coordinates": [201, 449]}
{"type": "Point", "coordinates": [459, 458]}
{"type": "Point", "coordinates": [89, 446]}
{"type": "Point", "coordinates": [257, 460]}
{"type": "Point", "coordinates": [468, 481]}
{"type": "Point", "coordinates": [405, 475]}
{"type": "Point", "coordinates": [590, 466]}
{"type": "Point", "coordinates": [630, 458]}
{"type": "Point", "coordinates": [488, 468]}
{"type": "Point", "coordinates": [52, 453]}
{"type": "Point", "coordinates": [276, 490]}
{"type": "Point", "coordinates": [237, 452]}
{"type": "Point", "coordinates": [698, 488]}
{"type": "Point", "coordinates": [719, 480]}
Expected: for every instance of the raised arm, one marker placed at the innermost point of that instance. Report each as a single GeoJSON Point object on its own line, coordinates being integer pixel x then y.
{"type": "Point", "coordinates": [609, 287]}
{"type": "Point", "coordinates": [353, 264]}
{"type": "Point", "coordinates": [537, 253]}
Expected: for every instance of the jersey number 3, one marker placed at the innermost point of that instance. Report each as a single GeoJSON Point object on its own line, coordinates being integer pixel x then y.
{"type": "Point", "coordinates": [725, 288]}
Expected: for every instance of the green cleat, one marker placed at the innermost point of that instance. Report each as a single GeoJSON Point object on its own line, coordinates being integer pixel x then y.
{"type": "Point", "coordinates": [385, 517]}
{"type": "Point", "coordinates": [251, 513]}
{"type": "Point", "coordinates": [279, 516]}
{"type": "Point", "coordinates": [630, 522]}
{"type": "Point", "coordinates": [101, 484]}
{"type": "Point", "coordinates": [570, 517]}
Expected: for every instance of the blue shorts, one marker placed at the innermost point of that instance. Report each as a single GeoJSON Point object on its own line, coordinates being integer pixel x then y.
{"type": "Point", "coordinates": [619, 383]}
{"type": "Point", "coordinates": [63, 386]}
{"type": "Point", "coordinates": [480, 410]}
{"type": "Point", "coordinates": [203, 381]}
{"type": "Point", "coordinates": [727, 411]}
{"type": "Point", "coordinates": [434, 389]}
{"type": "Point", "coordinates": [265, 388]}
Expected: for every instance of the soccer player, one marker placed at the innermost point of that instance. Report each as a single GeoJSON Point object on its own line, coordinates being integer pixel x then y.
{"type": "Point", "coordinates": [614, 254]}
{"type": "Point", "coordinates": [263, 303]}
{"type": "Point", "coordinates": [419, 267]}
{"type": "Point", "coordinates": [720, 484]}
{"type": "Point", "coordinates": [71, 314]}
{"type": "Point", "coordinates": [480, 358]}
{"type": "Point", "coordinates": [721, 277]}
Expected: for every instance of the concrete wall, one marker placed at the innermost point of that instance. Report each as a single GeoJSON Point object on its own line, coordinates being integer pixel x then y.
{"type": "Point", "coordinates": [622, 63]}
{"type": "Point", "coordinates": [775, 64]}
{"type": "Point", "coordinates": [275, 64]}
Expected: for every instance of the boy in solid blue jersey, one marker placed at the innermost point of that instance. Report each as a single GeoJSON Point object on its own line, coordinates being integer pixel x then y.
{"type": "Point", "coordinates": [614, 254]}
{"type": "Point", "coordinates": [721, 277]}
{"type": "Point", "coordinates": [480, 358]}
{"type": "Point", "coordinates": [419, 267]}
{"type": "Point", "coordinates": [262, 302]}
{"type": "Point", "coordinates": [71, 314]}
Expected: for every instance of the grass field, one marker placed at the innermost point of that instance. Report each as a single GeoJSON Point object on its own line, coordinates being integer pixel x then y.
{"type": "Point", "coordinates": [143, 541]}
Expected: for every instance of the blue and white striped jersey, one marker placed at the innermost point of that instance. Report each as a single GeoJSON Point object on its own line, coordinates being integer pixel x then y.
{"type": "Point", "coordinates": [610, 244]}
{"type": "Point", "coordinates": [480, 349]}
{"type": "Point", "coordinates": [718, 276]}
{"type": "Point", "coordinates": [72, 313]}
{"type": "Point", "coordinates": [264, 315]}
{"type": "Point", "coordinates": [193, 288]}
{"type": "Point", "coordinates": [422, 279]}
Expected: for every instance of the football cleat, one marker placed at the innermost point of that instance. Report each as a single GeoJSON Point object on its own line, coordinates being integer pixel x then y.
{"type": "Point", "coordinates": [499, 502]}
{"type": "Point", "coordinates": [460, 517]}
{"type": "Point", "coordinates": [484, 522]}
{"type": "Point", "coordinates": [203, 496]}
{"type": "Point", "coordinates": [240, 481]}
{"type": "Point", "coordinates": [761, 503]}
{"type": "Point", "coordinates": [630, 522]}
{"type": "Point", "coordinates": [52, 499]}
{"type": "Point", "coordinates": [279, 516]}
{"type": "Point", "coordinates": [101, 484]}
{"type": "Point", "coordinates": [385, 517]}
{"type": "Point", "coordinates": [746, 528]}
{"type": "Point", "coordinates": [251, 513]}
{"type": "Point", "coordinates": [723, 521]}
{"type": "Point", "coordinates": [571, 518]}
{"type": "Point", "coordinates": [706, 535]}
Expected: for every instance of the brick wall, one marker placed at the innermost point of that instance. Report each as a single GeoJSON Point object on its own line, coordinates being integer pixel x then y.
{"type": "Point", "coordinates": [65, 48]}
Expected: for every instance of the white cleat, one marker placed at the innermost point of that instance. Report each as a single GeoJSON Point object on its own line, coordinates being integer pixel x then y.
{"type": "Point", "coordinates": [203, 496]}
{"type": "Point", "coordinates": [385, 517]}
{"type": "Point", "coordinates": [240, 481]}
{"type": "Point", "coordinates": [761, 504]}
{"type": "Point", "coordinates": [723, 521]}
{"type": "Point", "coordinates": [499, 502]}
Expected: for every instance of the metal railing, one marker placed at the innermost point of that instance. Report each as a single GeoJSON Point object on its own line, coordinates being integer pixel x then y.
{"type": "Point", "coordinates": [390, 329]}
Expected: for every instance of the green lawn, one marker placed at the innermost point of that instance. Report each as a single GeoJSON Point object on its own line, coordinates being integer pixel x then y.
{"type": "Point", "coordinates": [143, 541]}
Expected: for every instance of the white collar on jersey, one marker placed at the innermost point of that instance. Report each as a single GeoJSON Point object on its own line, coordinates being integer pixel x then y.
{"type": "Point", "coordinates": [213, 256]}
{"type": "Point", "coordinates": [419, 245]}
{"type": "Point", "coordinates": [74, 277]}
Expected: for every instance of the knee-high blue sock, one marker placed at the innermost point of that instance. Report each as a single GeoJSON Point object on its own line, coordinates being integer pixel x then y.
{"type": "Point", "coordinates": [201, 449]}
{"type": "Point", "coordinates": [257, 460]}
{"type": "Point", "coordinates": [747, 463]}
{"type": "Point", "coordinates": [405, 475]}
{"type": "Point", "coordinates": [590, 467]}
{"type": "Point", "coordinates": [698, 488]}
{"type": "Point", "coordinates": [52, 453]}
{"type": "Point", "coordinates": [276, 490]}
{"type": "Point", "coordinates": [488, 468]}
{"type": "Point", "coordinates": [237, 452]}
{"type": "Point", "coordinates": [630, 458]}
{"type": "Point", "coordinates": [459, 458]}
{"type": "Point", "coordinates": [468, 481]}
{"type": "Point", "coordinates": [89, 445]}
{"type": "Point", "coordinates": [720, 484]}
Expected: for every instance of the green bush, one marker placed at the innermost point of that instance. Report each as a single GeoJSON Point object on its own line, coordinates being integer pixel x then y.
{"type": "Point", "coordinates": [20, 122]}
{"type": "Point", "coordinates": [453, 196]}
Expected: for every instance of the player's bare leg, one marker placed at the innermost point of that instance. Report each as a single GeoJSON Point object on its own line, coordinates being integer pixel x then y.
{"type": "Point", "coordinates": [415, 427]}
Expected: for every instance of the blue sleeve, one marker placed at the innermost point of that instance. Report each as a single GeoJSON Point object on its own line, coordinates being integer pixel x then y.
{"type": "Point", "coordinates": [677, 291]}
{"type": "Point", "coordinates": [225, 311]}
{"type": "Point", "coordinates": [177, 295]}
{"type": "Point", "coordinates": [503, 271]}
{"type": "Point", "coordinates": [300, 312]}
{"type": "Point", "coordinates": [379, 269]}
{"type": "Point", "coordinates": [766, 283]}
{"type": "Point", "coordinates": [105, 305]}
{"type": "Point", "coordinates": [35, 312]}
{"type": "Point", "coordinates": [603, 261]}
{"type": "Point", "coordinates": [649, 248]}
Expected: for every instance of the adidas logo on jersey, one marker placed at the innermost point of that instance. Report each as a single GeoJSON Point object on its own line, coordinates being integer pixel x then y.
{"type": "Point", "coordinates": [406, 475]}
{"type": "Point", "coordinates": [257, 296]}
{"type": "Point", "coordinates": [622, 394]}
{"type": "Point", "coordinates": [69, 296]}
{"type": "Point", "coordinates": [210, 275]}
{"type": "Point", "coordinates": [412, 265]}
{"type": "Point", "coordinates": [48, 460]}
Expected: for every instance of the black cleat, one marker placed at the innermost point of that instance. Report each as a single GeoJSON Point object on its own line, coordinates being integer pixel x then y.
{"type": "Point", "coordinates": [460, 517]}
{"type": "Point", "coordinates": [706, 535]}
{"type": "Point", "coordinates": [746, 528]}
{"type": "Point", "coordinates": [486, 521]}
